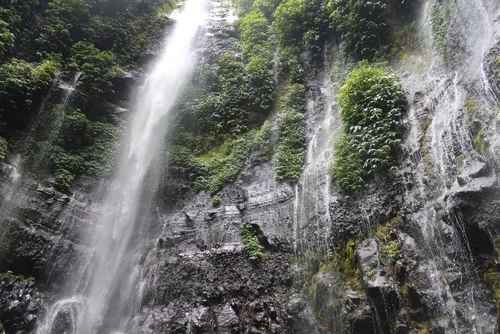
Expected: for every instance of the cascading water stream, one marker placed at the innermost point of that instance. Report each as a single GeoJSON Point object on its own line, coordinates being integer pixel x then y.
{"type": "Point", "coordinates": [312, 192]}
{"type": "Point", "coordinates": [104, 291]}
{"type": "Point", "coordinates": [447, 148]}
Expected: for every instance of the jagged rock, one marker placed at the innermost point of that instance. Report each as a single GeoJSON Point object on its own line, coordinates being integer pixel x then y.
{"type": "Point", "coordinates": [20, 304]}
{"type": "Point", "coordinates": [383, 292]}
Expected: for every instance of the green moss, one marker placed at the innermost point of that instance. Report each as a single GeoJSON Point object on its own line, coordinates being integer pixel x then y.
{"type": "Point", "coordinates": [425, 125]}
{"type": "Point", "coordinates": [480, 144]}
{"type": "Point", "coordinates": [425, 328]}
{"type": "Point", "coordinates": [475, 123]}
{"type": "Point", "coordinates": [368, 274]}
{"type": "Point", "coordinates": [9, 275]}
{"type": "Point", "coordinates": [251, 245]}
{"type": "Point", "coordinates": [224, 163]}
{"type": "Point", "coordinates": [348, 264]}
{"type": "Point", "coordinates": [492, 275]}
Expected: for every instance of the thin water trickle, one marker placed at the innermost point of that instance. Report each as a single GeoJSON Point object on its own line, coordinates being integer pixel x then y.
{"type": "Point", "coordinates": [312, 192]}
{"type": "Point", "coordinates": [17, 166]}
{"type": "Point", "coordinates": [110, 278]}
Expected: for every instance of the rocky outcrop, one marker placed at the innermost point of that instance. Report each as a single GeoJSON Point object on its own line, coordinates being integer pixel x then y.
{"type": "Point", "coordinates": [20, 304]}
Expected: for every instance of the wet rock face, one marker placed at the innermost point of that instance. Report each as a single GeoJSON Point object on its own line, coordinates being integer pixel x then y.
{"type": "Point", "coordinates": [42, 232]}
{"type": "Point", "coordinates": [20, 304]}
{"type": "Point", "coordinates": [215, 292]}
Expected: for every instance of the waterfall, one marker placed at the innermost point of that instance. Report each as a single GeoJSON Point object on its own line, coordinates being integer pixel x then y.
{"type": "Point", "coordinates": [101, 296]}
{"type": "Point", "coordinates": [443, 98]}
{"type": "Point", "coordinates": [312, 192]}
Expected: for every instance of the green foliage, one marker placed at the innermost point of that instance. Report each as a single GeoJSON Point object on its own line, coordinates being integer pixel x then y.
{"type": "Point", "coordinates": [254, 31]}
{"type": "Point", "coordinates": [16, 25]}
{"type": "Point", "coordinates": [226, 106]}
{"type": "Point", "coordinates": [220, 165]}
{"type": "Point", "coordinates": [64, 22]}
{"type": "Point", "coordinates": [84, 147]}
{"type": "Point", "coordinates": [261, 85]}
{"type": "Point", "coordinates": [256, 48]}
{"type": "Point", "coordinates": [124, 27]}
{"type": "Point", "coordinates": [225, 163]}
{"type": "Point", "coordinates": [98, 68]}
{"type": "Point", "coordinates": [348, 264]}
{"type": "Point", "coordinates": [251, 245]}
{"type": "Point", "coordinates": [6, 38]}
{"type": "Point", "coordinates": [362, 26]}
{"type": "Point", "coordinates": [288, 22]}
{"type": "Point", "coordinates": [390, 250]}
{"type": "Point", "coordinates": [372, 104]}
{"type": "Point", "coordinates": [20, 85]}
{"type": "Point", "coordinates": [302, 23]}
{"type": "Point", "coordinates": [347, 169]}
{"type": "Point", "coordinates": [290, 151]}
{"type": "Point", "coordinates": [289, 62]}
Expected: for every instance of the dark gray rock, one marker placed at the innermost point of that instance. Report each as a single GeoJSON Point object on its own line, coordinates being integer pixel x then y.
{"type": "Point", "coordinates": [20, 304]}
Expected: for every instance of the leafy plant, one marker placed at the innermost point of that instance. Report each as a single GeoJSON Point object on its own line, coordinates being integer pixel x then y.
{"type": "Point", "coordinates": [21, 84]}
{"type": "Point", "coordinates": [362, 26]}
{"type": "Point", "coordinates": [85, 147]}
{"type": "Point", "coordinates": [391, 250]}
{"type": "Point", "coordinates": [372, 105]}
{"type": "Point", "coordinates": [251, 244]}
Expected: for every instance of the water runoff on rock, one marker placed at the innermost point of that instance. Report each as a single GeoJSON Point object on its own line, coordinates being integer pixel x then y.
{"type": "Point", "coordinates": [101, 297]}
{"type": "Point", "coordinates": [47, 124]}
{"type": "Point", "coordinates": [448, 96]}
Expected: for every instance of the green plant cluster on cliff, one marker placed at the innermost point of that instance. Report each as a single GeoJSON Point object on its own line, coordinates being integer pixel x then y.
{"type": "Point", "coordinates": [362, 26]}
{"type": "Point", "coordinates": [84, 147]}
{"type": "Point", "coordinates": [372, 105]}
{"type": "Point", "coordinates": [251, 244]}
{"type": "Point", "coordinates": [21, 85]}
{"type": "Point", "coordinates": [41, 38]}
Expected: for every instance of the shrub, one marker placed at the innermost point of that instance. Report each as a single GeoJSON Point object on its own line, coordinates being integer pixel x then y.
{"type": "Point", "coordinates": [98, 67]}
{"type": "Point", "coordinates": [362, 26]}
{"type": "Point", "coordinates": [391, 250]}
{"type": "Point", "coordinates": [261, 85]}
{"type": "Point", "coordinates": [251, 245]}
{"type": "Point", "coordinates": [85, 147]}
{"type": "Point", "coordinates": [372, 104]}
{"type": "Point", "coordinates": [224, 163]}
{"type": "Point", "coordinates": [254, 31]}
{"type": "Point", "coordinates": [20, 85]}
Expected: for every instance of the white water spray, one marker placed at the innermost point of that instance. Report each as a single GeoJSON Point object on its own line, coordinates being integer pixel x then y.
{"type": "Point", "coordinates": [108, 281]}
